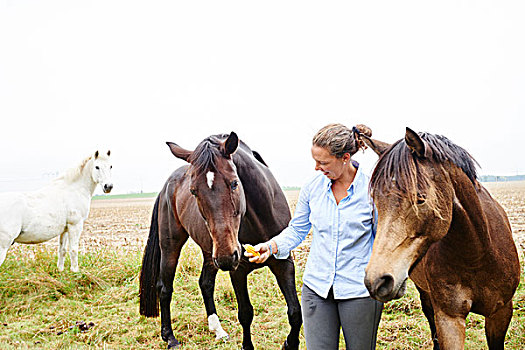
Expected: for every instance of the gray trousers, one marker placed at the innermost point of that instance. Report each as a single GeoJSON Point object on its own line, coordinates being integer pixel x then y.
{"type": "Point", "coordinates": [323, 318]}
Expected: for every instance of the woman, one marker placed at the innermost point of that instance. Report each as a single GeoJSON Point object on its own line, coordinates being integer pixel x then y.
{"type": "Point", "coordinates": [337, 206]}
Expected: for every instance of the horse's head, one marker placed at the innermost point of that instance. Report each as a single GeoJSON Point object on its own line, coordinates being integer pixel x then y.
{"type": "Point", "coordinates": [413, 193]}
{"type": "Point", "coordinates": [219, 194]}
{"type": "Point", "coordinates": [101, 171]}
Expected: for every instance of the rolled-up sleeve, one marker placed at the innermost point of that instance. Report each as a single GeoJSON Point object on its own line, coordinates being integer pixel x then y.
{"type": "Point", "coordinates": [298, 228]}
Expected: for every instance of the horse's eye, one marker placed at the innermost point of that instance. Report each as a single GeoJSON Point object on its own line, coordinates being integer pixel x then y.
{"type": "Point", "coordinates": [421, 198]}
{"type": "Point", "coordinates": [111, 166]}
{"type": "Point", "coordinates": [234, 184]}
{"type": "Point", "coordinates": [97, 167]}
{"type": "Point", "coordinates": [193, 192]}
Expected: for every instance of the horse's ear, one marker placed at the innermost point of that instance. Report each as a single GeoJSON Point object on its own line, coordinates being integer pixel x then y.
{"type": "Point", "coordinates": [415, 143]}
{"type": "Point", "coordinates": [179, 152]}
{"type": "Point", "coordinates": [96, 154]}
{"type": "Point", "coordinates": [258, 157]}
{"type": "Point", "coordinates": [229, 146]}
{"type": "Point", "coordinates": [362, 134]}
{"type": "Point", "coordinates": [377, 146]}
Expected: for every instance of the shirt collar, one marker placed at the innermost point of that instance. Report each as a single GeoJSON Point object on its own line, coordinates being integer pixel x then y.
{"type": "Point", "coordinates": [357, 177]}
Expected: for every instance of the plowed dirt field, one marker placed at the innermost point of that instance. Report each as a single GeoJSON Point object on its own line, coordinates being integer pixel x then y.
{"type": "Point", "coordinates": [124, 223]}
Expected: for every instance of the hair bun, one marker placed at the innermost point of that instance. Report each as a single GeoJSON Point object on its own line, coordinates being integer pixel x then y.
{"type": "Point", "coordinates": [365, 130]}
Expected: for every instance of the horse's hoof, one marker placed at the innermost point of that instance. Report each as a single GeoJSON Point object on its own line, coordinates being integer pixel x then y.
{"type": "Point", "coordinates": [174, 346]}
{"type": "Point", "coordinates": [288, 347]}
{"type": "Point", "coordinates": [224, 338]}
{"type": "Point", "coordinates": [173, 343]}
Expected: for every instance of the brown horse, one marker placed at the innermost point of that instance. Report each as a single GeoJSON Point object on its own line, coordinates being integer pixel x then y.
{"type": "Point", "coordinates": [440, 226]}
{"type": "Point", "coordinates": [224, 197]}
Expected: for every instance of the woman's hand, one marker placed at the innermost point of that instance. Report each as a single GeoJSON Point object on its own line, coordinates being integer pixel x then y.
{"type": "Point", "coordinates": [264, 253]}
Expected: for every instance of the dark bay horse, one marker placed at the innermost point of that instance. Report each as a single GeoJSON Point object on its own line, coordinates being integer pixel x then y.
{"type": "Point", "coordinates": [224, 197]}
{"type": "Point", "coordinates": [440, 226]}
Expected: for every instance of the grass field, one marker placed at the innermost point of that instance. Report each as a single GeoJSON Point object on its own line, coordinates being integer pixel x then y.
{"type": "Point", "coordinates": [42, 308]}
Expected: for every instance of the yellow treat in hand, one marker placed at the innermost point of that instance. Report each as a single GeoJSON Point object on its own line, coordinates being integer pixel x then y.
{"type": "Point", "coordinates": [250, 250]}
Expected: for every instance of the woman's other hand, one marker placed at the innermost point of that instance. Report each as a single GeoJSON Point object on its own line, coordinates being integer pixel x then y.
{"type": "Point", "coordinates": [264, 253]}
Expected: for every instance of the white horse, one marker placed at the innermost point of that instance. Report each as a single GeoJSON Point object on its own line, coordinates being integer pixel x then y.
{"type": "Point", "coordinates": [60, 208]}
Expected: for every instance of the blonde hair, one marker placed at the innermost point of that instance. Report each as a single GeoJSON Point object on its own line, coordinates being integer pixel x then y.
{"type": "Point", "coordinates": [338, 139]}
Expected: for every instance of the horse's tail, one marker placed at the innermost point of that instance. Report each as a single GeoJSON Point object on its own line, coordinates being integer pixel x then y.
{"type": "Point", "coordinates": [149, 274]}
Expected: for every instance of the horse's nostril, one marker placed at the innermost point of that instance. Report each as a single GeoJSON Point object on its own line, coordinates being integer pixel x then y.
{"type": "Point", "coordinates": [385, 285]}
{"type": "Point", "coordinates": [227, 262]}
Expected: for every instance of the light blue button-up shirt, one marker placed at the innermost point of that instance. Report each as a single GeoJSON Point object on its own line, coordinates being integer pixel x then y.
{"type": "Point", "coordinates": [342, 236]}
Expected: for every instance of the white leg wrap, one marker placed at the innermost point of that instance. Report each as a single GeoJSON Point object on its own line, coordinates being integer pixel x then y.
{"type": "Point", "coordinates": [215, 326]}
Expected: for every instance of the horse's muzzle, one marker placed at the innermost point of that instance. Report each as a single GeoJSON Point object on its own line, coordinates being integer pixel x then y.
{"type": "Point", "coordinates": [107, 188]}
{"type": "Point", "coordinates": [227, 263]}
{"type": "Point", "coordinates": [385, 289]}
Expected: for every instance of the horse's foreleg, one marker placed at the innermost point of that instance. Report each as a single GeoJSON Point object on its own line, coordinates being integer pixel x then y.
{"type": "Point", "coordinates": [62, 243]}
{"type": "Point", "coordinates": [284, 271]}
{"type": "Point", "coordinates": [74, 231]}
{"type": "Point", "coordinates": [428, 310]}
{"type": "Point", "coordinates": [450, 331]}
{"type": "Point", "coordinates": [207, 286]}
{"type": "Point", "coordinates": [496, 326]}
{"type": "Point", "coordinates": [245, 312]}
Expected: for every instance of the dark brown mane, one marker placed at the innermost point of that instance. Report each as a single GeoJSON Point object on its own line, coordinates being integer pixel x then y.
{"type": "Point", "coordinates": [398, 170]}
{"type": "Point", "coordinates": [205, 156]}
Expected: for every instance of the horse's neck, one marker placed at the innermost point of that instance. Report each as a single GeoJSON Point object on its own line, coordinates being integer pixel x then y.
{"type": "Point", "coordinates": [84, 183]}
{"type": "Point", "coordinates": [267, 210]}
{"type": "Point", "coordinates": [469, 232]}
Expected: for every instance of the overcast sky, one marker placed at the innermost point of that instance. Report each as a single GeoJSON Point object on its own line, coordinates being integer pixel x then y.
{"type": "Point", "coordinates": [76, 76]}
